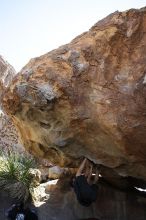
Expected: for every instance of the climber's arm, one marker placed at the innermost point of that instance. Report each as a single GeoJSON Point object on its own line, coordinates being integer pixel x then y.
{"type": "Point", "coordinates": [81, 167]}
{"type": "Point", "coordinates": [90, 173]}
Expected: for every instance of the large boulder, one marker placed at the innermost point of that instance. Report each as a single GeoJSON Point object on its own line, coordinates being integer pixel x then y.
{"type": "Point", "coordinates": [87, 98]}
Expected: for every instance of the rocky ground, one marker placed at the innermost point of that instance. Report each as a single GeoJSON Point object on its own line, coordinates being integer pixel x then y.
{"type": "Point", "coordinates": [59, 203]}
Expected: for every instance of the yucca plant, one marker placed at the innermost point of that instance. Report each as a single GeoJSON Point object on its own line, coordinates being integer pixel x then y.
{"type": "Point", "coordinates": [15, 176]}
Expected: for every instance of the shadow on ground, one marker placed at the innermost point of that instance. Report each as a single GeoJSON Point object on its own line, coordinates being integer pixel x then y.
{"type": "Point", "coordinates": [112, 204]}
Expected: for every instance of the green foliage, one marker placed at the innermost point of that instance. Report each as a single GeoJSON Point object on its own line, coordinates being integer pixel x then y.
{"type": "Point", "coordinates": [15, 176]}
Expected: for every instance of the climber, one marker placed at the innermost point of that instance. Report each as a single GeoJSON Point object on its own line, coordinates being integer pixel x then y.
{"type": "Point", "coordinates": [84, 186]}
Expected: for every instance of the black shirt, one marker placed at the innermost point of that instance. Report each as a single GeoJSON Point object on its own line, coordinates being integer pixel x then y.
{"type": "Point", "coordinates": [86, 193]}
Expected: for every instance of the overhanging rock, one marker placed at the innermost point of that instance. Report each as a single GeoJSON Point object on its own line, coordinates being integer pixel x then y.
{"type": "Point", "coordinates": [87, 98]}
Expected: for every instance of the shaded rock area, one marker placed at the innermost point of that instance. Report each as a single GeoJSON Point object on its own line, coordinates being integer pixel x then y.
{"type": "Point", "coordinates": [111, 204]}
{"type": "Point", "coordinates": [5, 203]}
{"type": "Point", "coordinates": [9, 139]}
{"type": "Point", "coordinates": [87, 98]}
{"type": "Point", "coordinates": [8, 133]}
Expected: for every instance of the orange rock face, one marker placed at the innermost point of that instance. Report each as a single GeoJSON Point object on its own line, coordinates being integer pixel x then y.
{"type": "Point", "coordinates": [87, 98]}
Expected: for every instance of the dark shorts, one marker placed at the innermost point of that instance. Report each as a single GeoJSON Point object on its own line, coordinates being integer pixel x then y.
{"type": "Point", "coordinates": [86, 194]}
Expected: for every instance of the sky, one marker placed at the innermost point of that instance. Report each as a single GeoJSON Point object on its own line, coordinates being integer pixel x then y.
{"type": "Point", "coordinates": [30, 28]}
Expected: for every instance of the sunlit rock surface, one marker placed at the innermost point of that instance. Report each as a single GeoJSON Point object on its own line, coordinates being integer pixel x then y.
{"type": "Point", "coordinates": [7, 72]}
{"type": "Point", "coordinates": [87, 98]}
